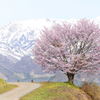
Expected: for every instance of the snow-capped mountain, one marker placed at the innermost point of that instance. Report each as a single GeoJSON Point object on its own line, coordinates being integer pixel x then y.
{"type": "Point", "coordinates": [17, 38]}
{"type": "Point", "coordinates": [16, 42]}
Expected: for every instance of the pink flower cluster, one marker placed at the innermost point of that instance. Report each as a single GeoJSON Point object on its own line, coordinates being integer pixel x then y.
{"type": "Point", "coordinates": [69, 47]}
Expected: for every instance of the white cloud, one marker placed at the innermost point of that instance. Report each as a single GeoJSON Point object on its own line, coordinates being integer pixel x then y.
{"type": "Point", "coordinates": [41, 75]}
{"type": "Point", "coordinates": [20, 75]}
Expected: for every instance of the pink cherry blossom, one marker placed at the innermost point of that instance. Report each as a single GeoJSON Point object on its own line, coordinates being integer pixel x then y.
{"type": "Point", "coordinates": [69, 47]}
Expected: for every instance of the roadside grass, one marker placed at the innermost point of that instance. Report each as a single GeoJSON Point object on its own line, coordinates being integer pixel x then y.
{"type": "Point", "coordinates": [4, 87]}
{"type": "Point", "coordinates": [56, 91]}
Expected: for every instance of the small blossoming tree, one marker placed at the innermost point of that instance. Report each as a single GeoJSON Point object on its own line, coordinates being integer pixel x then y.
{"type": "Point", "coordinates": [70, 48]}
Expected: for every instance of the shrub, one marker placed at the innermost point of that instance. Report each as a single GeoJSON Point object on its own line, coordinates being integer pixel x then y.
{"type": "Point", "coordinates": [92, 89]}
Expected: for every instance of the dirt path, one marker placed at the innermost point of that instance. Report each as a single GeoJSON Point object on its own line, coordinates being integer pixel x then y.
{"type": "Point", "coordinates": [21, 90]}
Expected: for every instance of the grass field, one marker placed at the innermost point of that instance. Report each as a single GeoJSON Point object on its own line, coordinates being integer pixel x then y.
{"type": "Point", "coordinates": [4, 87]}
{"type": "Point", "coordinates": [57, 91]}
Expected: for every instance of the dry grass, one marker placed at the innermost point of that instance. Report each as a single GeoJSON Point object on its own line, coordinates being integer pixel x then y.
{"type": "Point", "coordinates": [92, 90]}
{"type": "Point", "coordinates": [4, 87]}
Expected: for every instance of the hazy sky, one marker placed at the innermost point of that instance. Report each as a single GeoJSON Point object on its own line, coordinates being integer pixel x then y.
{"type": "Point", "coordinates": [11, 10]}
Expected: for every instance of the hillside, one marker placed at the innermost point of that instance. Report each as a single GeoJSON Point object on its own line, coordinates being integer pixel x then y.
{"type": "Point", "coordinates": [57, 91]}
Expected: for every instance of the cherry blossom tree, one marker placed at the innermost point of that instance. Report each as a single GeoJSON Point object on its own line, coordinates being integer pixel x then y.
{"type": "Point", "coordinates": [70, 48]}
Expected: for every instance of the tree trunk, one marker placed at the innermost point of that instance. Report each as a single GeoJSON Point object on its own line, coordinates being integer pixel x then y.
{"type": "Point", "coordinates": [70, 77]}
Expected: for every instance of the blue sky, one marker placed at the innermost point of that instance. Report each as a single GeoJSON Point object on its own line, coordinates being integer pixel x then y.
{"type": "Point", "coordinates": [11, 10]}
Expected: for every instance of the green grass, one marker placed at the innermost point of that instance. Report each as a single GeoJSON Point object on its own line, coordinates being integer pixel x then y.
{"type": "Point", "coordinates": [56, 91]}
{"type": "Point", "coordinates": [4, 87]}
